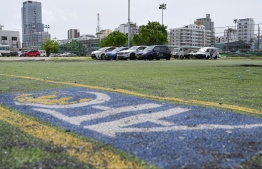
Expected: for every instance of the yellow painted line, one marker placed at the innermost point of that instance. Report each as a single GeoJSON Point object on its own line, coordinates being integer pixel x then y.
{"type": "Point", "coordinates": [224, 106]}
{"type": "Point", "coordinates": [84, 151]}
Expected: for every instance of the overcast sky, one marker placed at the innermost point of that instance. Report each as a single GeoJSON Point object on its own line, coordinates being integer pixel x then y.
{"type": "Point", "coordinates": [63, 15]}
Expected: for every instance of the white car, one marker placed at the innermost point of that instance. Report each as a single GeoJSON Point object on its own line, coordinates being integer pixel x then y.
{"type": "Point", "coordinates": [42, 53]}
{"type": "Point", "coordinates": [130, 53]}
{"type": "Point", "coordinates": [207, 53]}
{"type": "Point", "coordinates": [100, 53]}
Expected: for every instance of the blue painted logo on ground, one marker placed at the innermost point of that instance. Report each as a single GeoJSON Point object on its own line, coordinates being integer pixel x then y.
{"type": "Point", "coordinates": [164, 134]}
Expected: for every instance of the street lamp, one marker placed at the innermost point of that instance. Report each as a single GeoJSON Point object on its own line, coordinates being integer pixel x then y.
{"type": "Point", "coordinates": [163, 7]}
{"type": "Point", "coordinates": [128, 23]}
{"type": "Point", "coordinates": [47, 27]}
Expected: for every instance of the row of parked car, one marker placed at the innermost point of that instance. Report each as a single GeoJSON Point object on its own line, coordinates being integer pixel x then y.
{"type": "Point", "coordinates": [154, 52]}
{"type": "Point", "coordinates": [136, 52]}
{"type": "Point", "coordinates": [66, 54]}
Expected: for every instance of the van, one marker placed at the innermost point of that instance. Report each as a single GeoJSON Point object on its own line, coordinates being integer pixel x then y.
{"type": "Point", "coordinates": [178, 53]}
{"type": "Point", "coordinates": [42, 53]}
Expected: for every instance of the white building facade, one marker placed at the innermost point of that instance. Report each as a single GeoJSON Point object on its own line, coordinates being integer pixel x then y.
{"type": "Point", "coordinates": [190, 35]}
{"type": "Point", "coordinates": [10, 38]}
{"type": "Point", "coordinates": [209, 25]}
{"type": "Point", "coordinates": [103, 33]}
{"type": "Point", "coordinates": [246, 30]}
{"type": "Point", "coordinates": [230, 35]}
{"type": "Point", "coordinates": [123, 28]}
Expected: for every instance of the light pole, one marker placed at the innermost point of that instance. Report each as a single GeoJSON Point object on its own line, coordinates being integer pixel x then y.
{"type": "Point", "coordinates": [258, 39]}
{"type": "Point", "coordinates": [129, 32]}
{"type": "Point", "coordinates": [163, 7]}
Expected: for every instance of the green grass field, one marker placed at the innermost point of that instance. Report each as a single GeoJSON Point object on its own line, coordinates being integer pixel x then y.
{"type": "Point", "coordinates": [233, 81]}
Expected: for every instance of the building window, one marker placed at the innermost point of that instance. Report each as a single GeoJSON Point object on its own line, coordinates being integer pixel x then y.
{"type": "Point", "coordinates": [14, 38]}
{"type": "Point", "coordinates": [4, 37]}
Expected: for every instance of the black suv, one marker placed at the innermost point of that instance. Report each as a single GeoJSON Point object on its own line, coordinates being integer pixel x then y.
{"type": "Point", "coordinates": [155, 52]}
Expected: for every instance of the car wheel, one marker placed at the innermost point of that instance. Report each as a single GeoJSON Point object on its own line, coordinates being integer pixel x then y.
{"type": "Point", "coordinates": [150, 57]}
{"type": "Point", "coordinates": [37, 55]}
{"type": "Point", "coordinates": [132, 56]}
{"type": "Point", "coordinates": [168, 57]}
{"type": "Point", "coordinates": [215, 57]}
{"type": "Point", "coordinates": [102, 57]}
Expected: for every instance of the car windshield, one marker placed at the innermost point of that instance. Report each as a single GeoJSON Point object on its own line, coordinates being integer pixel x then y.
{"type": "Point", "coordinates": [103, 49]}
{"type": "Point", "coordinates": [148, 48]}
{"type": "Point", "coordinates": [116, 49]}
{"type": "Point", "coordinates": [202, 50]}
{"type": "Point", "coordinates": [133, 48]}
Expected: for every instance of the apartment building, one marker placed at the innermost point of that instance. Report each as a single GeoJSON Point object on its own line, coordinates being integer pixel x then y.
{"type": "Point", "coordinates": [73, 33]}
{"type": "Point", "coordinates": [103, 33]}
{"type": "Point", "coordinates": [209, 25]}
{"type": "Point", "coordinates": [123, 28]}
{"type": "Point", "coordinates": [230, 35]}
{"type": "Point", "coordinates": [246, 30]}
{"type": "Point", "coordinates": [190, 35]}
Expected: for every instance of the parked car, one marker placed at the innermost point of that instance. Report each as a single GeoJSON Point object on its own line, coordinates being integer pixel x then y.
{"type": "Point", "coordinates": [184, 52]}
{"type": "Point", "coordinates": [207, 53]}
{"type": "Point", "coordinates": [31, 53]}
{"type": "Point", "coordinates": [42, 53]}
{"type": "Point", "coordinates": [113, 54]}
{"type": "Point", "coordinates": [178, 53]}
{"type": "Point", "coordinates": [68, 54]}
{"type": "Point", "coordinates": [130, 53]}
{"type": "Point", "coordinates": [155, 52]}
{"type": "Point", "coordinates": [100, 53]}
{"type": "Point", "coordinates": [22, 51]}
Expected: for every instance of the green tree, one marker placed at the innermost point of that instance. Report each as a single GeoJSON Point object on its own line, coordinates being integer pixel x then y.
{"type": "Point", "coordinates": [151, 34]}
{"type": "Point", "coordinates": [50, 46]}
{"type": "Point", "coordinates": [74, 46]}
{"type": "Point", "coordinates": [115, 38]}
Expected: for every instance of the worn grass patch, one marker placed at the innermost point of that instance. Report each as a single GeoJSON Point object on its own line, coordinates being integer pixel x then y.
{"type": "Point", "coordinates": [20, 150]}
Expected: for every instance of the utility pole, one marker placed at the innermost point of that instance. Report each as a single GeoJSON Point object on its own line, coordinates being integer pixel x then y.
{"type": "Point", "coordinates": [129, 32]}
{"type": "Point", "coordinates": [235, 21]}
{"type": "Point", "coordinates": [258, 43]}
{"type": "Point", "coordinates": [228, 39]}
